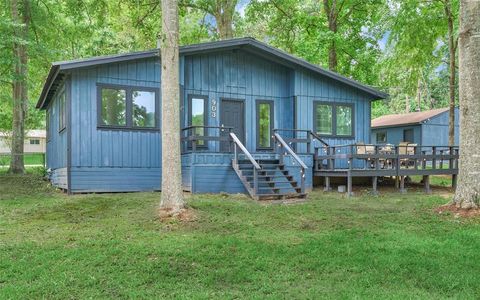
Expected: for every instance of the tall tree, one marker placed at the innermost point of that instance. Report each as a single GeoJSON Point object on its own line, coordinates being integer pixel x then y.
{"type": "Point", "coordinates": [467, 194]}
{"type": "Point", "coordinates": [21, 20]}
{"type": "Point", "coordinates": [452, 49]}
{"type": "Point", "coordinates": [222, 10]}
{"type": "Point", "coordinates": [172, 194]}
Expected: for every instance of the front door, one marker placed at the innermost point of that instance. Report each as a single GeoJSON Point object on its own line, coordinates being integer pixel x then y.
{"type": "Point", "coordinates": [232, 115]}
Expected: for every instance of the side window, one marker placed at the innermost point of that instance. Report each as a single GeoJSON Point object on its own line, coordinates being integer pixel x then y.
{"type": "Point", "coordinates": [47, 123]}
{"type": "Point", "coordinates": [333, 119]}
{"type": "Point", "coordinates": [61, 111]}
{"type": "Point", "coordinates": [344, 120]}
{"type": "Point", "coordinates": [381, 137]}
{"type": "Point", "coordinates": [143, 109]}
{"type": "Point", "coordinates": [323, 119]}
{"type": "Point", "coordinates": [265, 119]}
{"type": "Point", "coordinates": [125, 107]}
{"type": "Point", "coordinates": [197, 115]}
{"type": "Point", "coordinates": [114, 107]}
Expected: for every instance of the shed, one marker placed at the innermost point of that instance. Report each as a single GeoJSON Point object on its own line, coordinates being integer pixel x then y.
{"type": "Point", "coordinates": [422, 128]}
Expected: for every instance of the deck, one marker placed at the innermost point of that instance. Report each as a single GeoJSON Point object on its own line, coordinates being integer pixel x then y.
{"type": "Point", "coordinates": [399, 161]}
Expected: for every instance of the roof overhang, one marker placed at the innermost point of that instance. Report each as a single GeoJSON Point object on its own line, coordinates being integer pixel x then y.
{"type": "Point", "coordinates": [59, 69]}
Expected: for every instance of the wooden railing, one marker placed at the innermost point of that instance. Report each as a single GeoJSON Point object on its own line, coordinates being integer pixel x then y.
{"type": "Point", "coordinates": [237, 145]}
{"type": "Point", "coordinates": [406, 159]}
{"type": "Point", "coordinates": [282, 145]}
{"type": "Point", "coordinates": [300, 136]}
{"type": "Point", "coordinates": [193, 141]}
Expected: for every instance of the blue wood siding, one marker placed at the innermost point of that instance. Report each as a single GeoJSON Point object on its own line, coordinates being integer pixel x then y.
{"type": "Point", "coordinates": [56, 157]}
{"type": "Point", "coordinates": [213, 172]}
{"type": "Point", "coordinates": [130, 160]}
{"type": "Point", "coordinates": [117, 160]}
{"type": "Point", "coordinates": [309, 87]}
{"type": "Point", "coordinates": [395, 134]}
{"type": "Point", "coordinates": [435, 130]}
{"type": "Point", "coordinates": [239, 75]}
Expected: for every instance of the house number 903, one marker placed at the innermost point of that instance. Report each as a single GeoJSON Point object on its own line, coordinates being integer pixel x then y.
{"type": "Point", "coordinates": [214, 108]}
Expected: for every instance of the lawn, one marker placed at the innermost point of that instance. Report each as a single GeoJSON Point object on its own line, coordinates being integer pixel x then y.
{"type": "Point", "coordinates": [30, 159]}
{"type": "Point", "coordinates": [113, 246]}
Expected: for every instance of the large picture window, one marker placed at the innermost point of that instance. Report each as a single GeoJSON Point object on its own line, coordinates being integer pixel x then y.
{"type": "Point", "coordinates": [344, 120]}
{"type": "Point", "coordinates": [143, 108]}
{"type": "Point", "coordinates": [324, 117]}
{"type": "Point", "coordinates": [126, 107]}
{"type": "Point", "coordinates": [264, 124]}
{"type": "Point", "coordinates": [333, 119]}
{"type": "Point", "coordinates": [198, 117]}
{"type": "Point", "coordinates": [114, 107]}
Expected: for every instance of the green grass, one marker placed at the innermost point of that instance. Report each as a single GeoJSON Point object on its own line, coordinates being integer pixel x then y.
{"type": "Point", "coordinates": [29, 159]}
{"type": "Point", "coordinates": [113, 246]}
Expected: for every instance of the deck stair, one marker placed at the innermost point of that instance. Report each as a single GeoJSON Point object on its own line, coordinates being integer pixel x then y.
{"type": "Point", "coordinates": [266, 179]}
{"type": "Point", "coordinates": [273, 181]}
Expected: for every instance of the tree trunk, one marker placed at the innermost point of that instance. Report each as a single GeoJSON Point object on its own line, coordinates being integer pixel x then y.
{"type": "Point", "coordinates": [20, 92]}
{"type": "Point", "coordinates": [452, 50]}
{"type": "Point", "coordinates": [467, 194]}
{"type": "Point", "coordinates": [172, 194]}
{"type": "Point", "coordinates": [224, 11]}
{"type": "Point", "coordinates": [331, 11]}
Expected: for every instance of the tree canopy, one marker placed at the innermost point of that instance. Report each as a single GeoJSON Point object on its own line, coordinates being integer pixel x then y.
{"type": "Point", "coordinates": [399, 46]}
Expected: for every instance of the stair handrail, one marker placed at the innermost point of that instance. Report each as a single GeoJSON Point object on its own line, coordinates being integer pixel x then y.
{"type": "Point", "coordinates": [238, 143]}
{"type": "Point", "coordinates": [318, 138]}
{"type": "Point", "coordinates": [289, 150]}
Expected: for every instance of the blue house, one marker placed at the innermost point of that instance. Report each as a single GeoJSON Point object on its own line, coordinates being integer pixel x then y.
{"type": "Point", "coordinates": [251, 117]}
{"type": "Point", "coordinates": [427, 128]}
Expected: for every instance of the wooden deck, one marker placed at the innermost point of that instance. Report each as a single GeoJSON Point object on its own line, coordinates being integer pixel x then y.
{"type": "Point", "coordinates": [399, 161]}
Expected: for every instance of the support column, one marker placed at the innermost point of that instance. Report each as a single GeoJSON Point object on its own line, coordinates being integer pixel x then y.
{"type": "Point", "coordinates": [374, 185]}
{"type": "Point", "coordinates": [327, 187]}
{"type": "Point", "coordinates": [454, 181]}
{"type": "Point", "coordinates": [349, 185]}
{"type": "Point", "coordinates": [426, 182]}
{"type": "Point", "coordinates": [402, 184]}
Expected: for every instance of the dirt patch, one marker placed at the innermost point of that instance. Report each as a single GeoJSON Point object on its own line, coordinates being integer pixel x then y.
{"type": "Point", "coordinates": [182, 215]}
{"type": "Point", "coordinates": [457, 211]}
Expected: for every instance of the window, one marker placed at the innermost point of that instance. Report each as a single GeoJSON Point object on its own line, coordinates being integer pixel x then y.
{"type": "Point", "coordinates": [333, 119]}
{"type": "Point", "coordinates": [124, 107]}
{"type": "Point", "coordinates": [408, 135]}
{"type": "Point", "coordinates": [264, 124]}
{"type": "Point", "coordinates": [47, 123]}
{"type": "Point", "coordinates": [344, 120]}
{"type": "Point", "coordinates": [323, 120]}
{"type": "Point", "coordinates": [61, 114]}
{"type": "Point", "coordinates": [114, 107]}
{"type": "Point", "coordinates": [198, 117]}
{"type": "Point", "coordinates": [34, 142]}
{"type": "Point", "coordinates": [143, 109]}
{"type": "Point", "coordinates": [381, 137]}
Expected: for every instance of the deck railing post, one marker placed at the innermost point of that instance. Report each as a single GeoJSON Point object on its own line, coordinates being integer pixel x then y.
{"type": "Point", "coordinates": [255, 180]}
{"type": "Point", "coordinates": [416, 152]}
{"type": "Point", "coordinates": [441, 159]}
{"type": "Point", "coordinates": [333, 151]}
{"type": "Point", "coordinates": [450, 162]}
{"type": "Point", "coordinates": [424, 161]}
{"type": "Point", "coordinates": [377, 167]}
{"type": "Point", "coordinates": [434, 157]}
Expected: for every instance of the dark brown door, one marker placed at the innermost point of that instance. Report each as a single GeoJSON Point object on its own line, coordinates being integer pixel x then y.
{"type": "Point", "coordinates": [233, 115]}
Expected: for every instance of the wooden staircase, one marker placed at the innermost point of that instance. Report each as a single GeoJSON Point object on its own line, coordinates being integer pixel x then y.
{"type": "Point", "coordinates": [271, 181]}
{"type": "Point", "coordinates": [267, 178]}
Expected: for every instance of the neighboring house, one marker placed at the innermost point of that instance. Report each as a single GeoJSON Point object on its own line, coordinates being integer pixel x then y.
{"type": "Point", "coordinates": [103, 117]}
{"type": "Point", "coordinates": [35, 142]}
{"type": "Point", "coordinates": [428, 128]}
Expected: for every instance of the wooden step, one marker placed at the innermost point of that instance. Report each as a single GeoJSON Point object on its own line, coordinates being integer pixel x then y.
{"type": "Point", "coordinates": [280, 196]}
